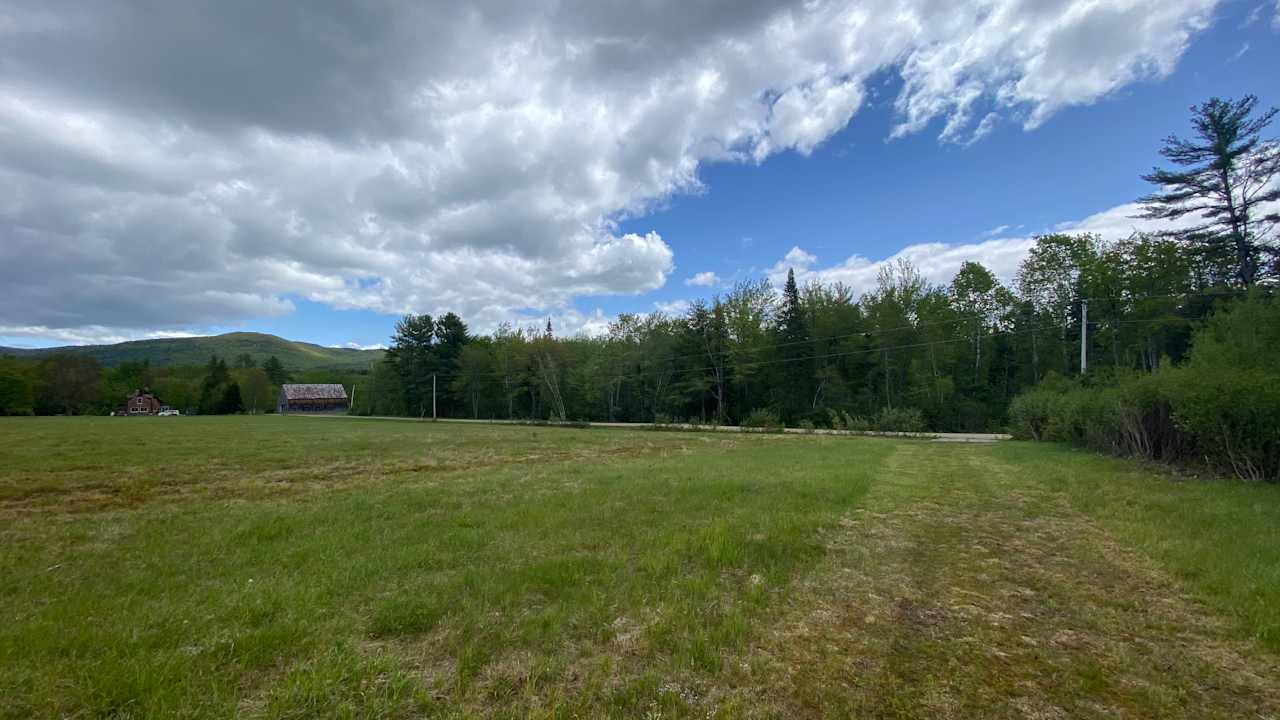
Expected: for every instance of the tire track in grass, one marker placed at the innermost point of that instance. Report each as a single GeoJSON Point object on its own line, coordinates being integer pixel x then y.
{"type": "Point", "coordinates": [962, 589]}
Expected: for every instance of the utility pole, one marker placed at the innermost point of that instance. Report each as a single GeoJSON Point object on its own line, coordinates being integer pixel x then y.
{"type": "Point", "coordinates": [433, 397]}
{"type": "Point", "coordinates": [1084, 336]}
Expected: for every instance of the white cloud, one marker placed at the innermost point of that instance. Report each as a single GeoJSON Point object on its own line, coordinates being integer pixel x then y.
{"type": "Point", "coordinates": [571, 323]}
{"type": "Point", "coordinates": [150, 179]}
{"type": "Point", "coordinates": [359, 346]}
{"type": "Point", "coordinates": [939, 262]}
{"type": "Point", "coordinates": [674, 308]}
{"type": "Point", "coordinates": [703, 279]}
{"type": "Point", "coordinates": [88, 335]}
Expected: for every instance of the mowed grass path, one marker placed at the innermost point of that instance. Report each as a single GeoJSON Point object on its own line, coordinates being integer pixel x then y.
{"type": "Point", "coordinates": [304, 567]}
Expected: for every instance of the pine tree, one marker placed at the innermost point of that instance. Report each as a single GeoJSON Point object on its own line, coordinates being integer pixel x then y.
{"type": "Point", "coordinates": [276, 370]}
{"type": "Point", "coordinates": [231, 402]}
{"type": "Point", "coordinates": [413, 354]}
{"type": "Point", "coordinates": [1228, 176]}
{"type": "Point", "coordinates": [795, 355]}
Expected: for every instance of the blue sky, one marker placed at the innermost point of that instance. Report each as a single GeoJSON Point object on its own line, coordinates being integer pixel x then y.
{"type": "Point", "coordinates": [855, 198]}
{"type": "Point", "coordinates": [863, 194]}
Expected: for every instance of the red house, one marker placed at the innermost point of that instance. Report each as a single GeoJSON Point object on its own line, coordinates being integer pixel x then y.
{"type": "Point", "coordinates": [143, 402]}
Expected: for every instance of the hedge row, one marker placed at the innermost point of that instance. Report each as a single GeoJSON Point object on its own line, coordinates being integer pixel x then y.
{"type": "Point", "coordinates": [1228, 418]}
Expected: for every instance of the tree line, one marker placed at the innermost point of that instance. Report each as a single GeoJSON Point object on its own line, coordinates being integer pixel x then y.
{"type": "Point", "coordinates": [906, 355]}
{"type": "Point", "coordinates": [72, 384]}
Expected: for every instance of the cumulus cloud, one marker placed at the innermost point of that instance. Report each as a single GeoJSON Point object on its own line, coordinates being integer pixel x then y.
{"type": "Point", "coordinates": [703, 279]}
{"type": "Point", "coordinates": [939, 262]}
{"type": "Point", "coordinates": [673, 308]}
{"type": "Point", "coordinates": [172, 165]}
{"type": "Point", "coordinates": [87, 335]}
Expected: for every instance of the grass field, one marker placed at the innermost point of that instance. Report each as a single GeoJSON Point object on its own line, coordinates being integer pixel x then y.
{"type": "Point", "coordinates": [306, 567]}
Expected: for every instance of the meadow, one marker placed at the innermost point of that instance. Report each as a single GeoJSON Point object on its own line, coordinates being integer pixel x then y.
{"type": "Point", "coordinates": [288, 567]}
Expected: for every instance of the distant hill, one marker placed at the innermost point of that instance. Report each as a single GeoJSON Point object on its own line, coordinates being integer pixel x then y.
{"type": "Point", "coordinates": [196, 351]}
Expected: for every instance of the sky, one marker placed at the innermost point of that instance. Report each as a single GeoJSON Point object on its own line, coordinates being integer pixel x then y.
{"type": "Point", "coordinates": [316, 170]}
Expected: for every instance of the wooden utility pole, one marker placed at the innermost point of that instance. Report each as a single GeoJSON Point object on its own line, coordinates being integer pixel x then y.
{"type": "Point", "coordinates": [433, 396]}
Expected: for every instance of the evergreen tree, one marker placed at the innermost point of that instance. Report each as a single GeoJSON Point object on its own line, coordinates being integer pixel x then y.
{"type": "Point", "coordinates": [212, 390]}
{"type": "Point", "coordinates": [412, 353]}
{"type": "Point", "coordinates": [275, 370]}
{"type": "Point", "coordinates": [795, 355]}
{"type": "Point", "coordinates": [1228, 176]}
{"type": "Point", "coordinates": [230, 403]}
{"type": "Point", "coordinates": [451, 337]}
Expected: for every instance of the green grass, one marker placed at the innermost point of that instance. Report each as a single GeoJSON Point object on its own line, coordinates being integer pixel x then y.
{"type": "Point", "coordinates": [304, 567]}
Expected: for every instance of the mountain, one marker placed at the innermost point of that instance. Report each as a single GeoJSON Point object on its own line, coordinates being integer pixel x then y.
{"type": "Point", "coordinates": [196, 351]}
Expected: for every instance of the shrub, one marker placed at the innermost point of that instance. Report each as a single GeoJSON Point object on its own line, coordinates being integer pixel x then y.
{"type": "Point", "coordinates": [857, 423]}
{"type": "Point", "coordinates": [762, 418]}
{"type": "Point", "coordinates": [807, 425]}
{"type": "Point", "coordinates": [1241, 334]}
{"type": "Point", "coordinates": [900, 420]}
{"type": "Point", "coordinates": [1227, 417]}
{"type": "Point", "coordinates": [1031, 412]}
{"type": "Point", "coordinates": [1233, 417]}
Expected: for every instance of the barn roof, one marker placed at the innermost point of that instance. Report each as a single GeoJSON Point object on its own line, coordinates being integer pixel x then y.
{"type": "Point", "coordinates": [313, 391]}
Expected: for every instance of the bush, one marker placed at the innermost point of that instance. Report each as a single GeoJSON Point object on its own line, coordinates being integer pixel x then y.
{"type": "Point", "coordinates": [1227, 417]}
{"type": "Point", "coordinates": [1233, 417]}
{"type": "Point", "coordinates": [807, 425]}
{"type": "Point", "coordinates": [1031, 412]}
{"type": "Point", "coordinates": [900, 420]}
{"type": "Point", "coordinates": [763, 419]}
{"type": "Point", "coordinates": [841, 420]}
{"type": "Point", "coordinates": [857, 423]}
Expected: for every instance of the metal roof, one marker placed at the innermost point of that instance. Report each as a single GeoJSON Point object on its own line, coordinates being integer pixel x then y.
{"type": "Point", "coordinates": [313, 391]}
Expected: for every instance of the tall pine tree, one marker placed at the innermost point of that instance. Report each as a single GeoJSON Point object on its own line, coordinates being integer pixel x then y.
{"type": "Point", "coordinates": [795, 367]}
{"type": "Point", "coordinates": [1226, 183]}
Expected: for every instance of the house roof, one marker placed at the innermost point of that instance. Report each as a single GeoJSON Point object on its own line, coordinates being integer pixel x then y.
{"type": "Point", "coordinates": [313, 391]}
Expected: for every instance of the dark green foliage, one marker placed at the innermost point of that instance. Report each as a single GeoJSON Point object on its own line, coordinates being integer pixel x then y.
{"type": "Point", "coordinates": [413, 357]}
{"type": "Point", "coordinates": [795, 378]}
{"type": "Point", "coordinates": [231, 403]}
{"type": "Point", "coordinates": [68, 385]}
{"type": "Point", "coordinates": [275, 370]}
{"type": "Point", "coordinates": [215, 391]}
{"type": "Point", "coordinates": [17, 388]}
